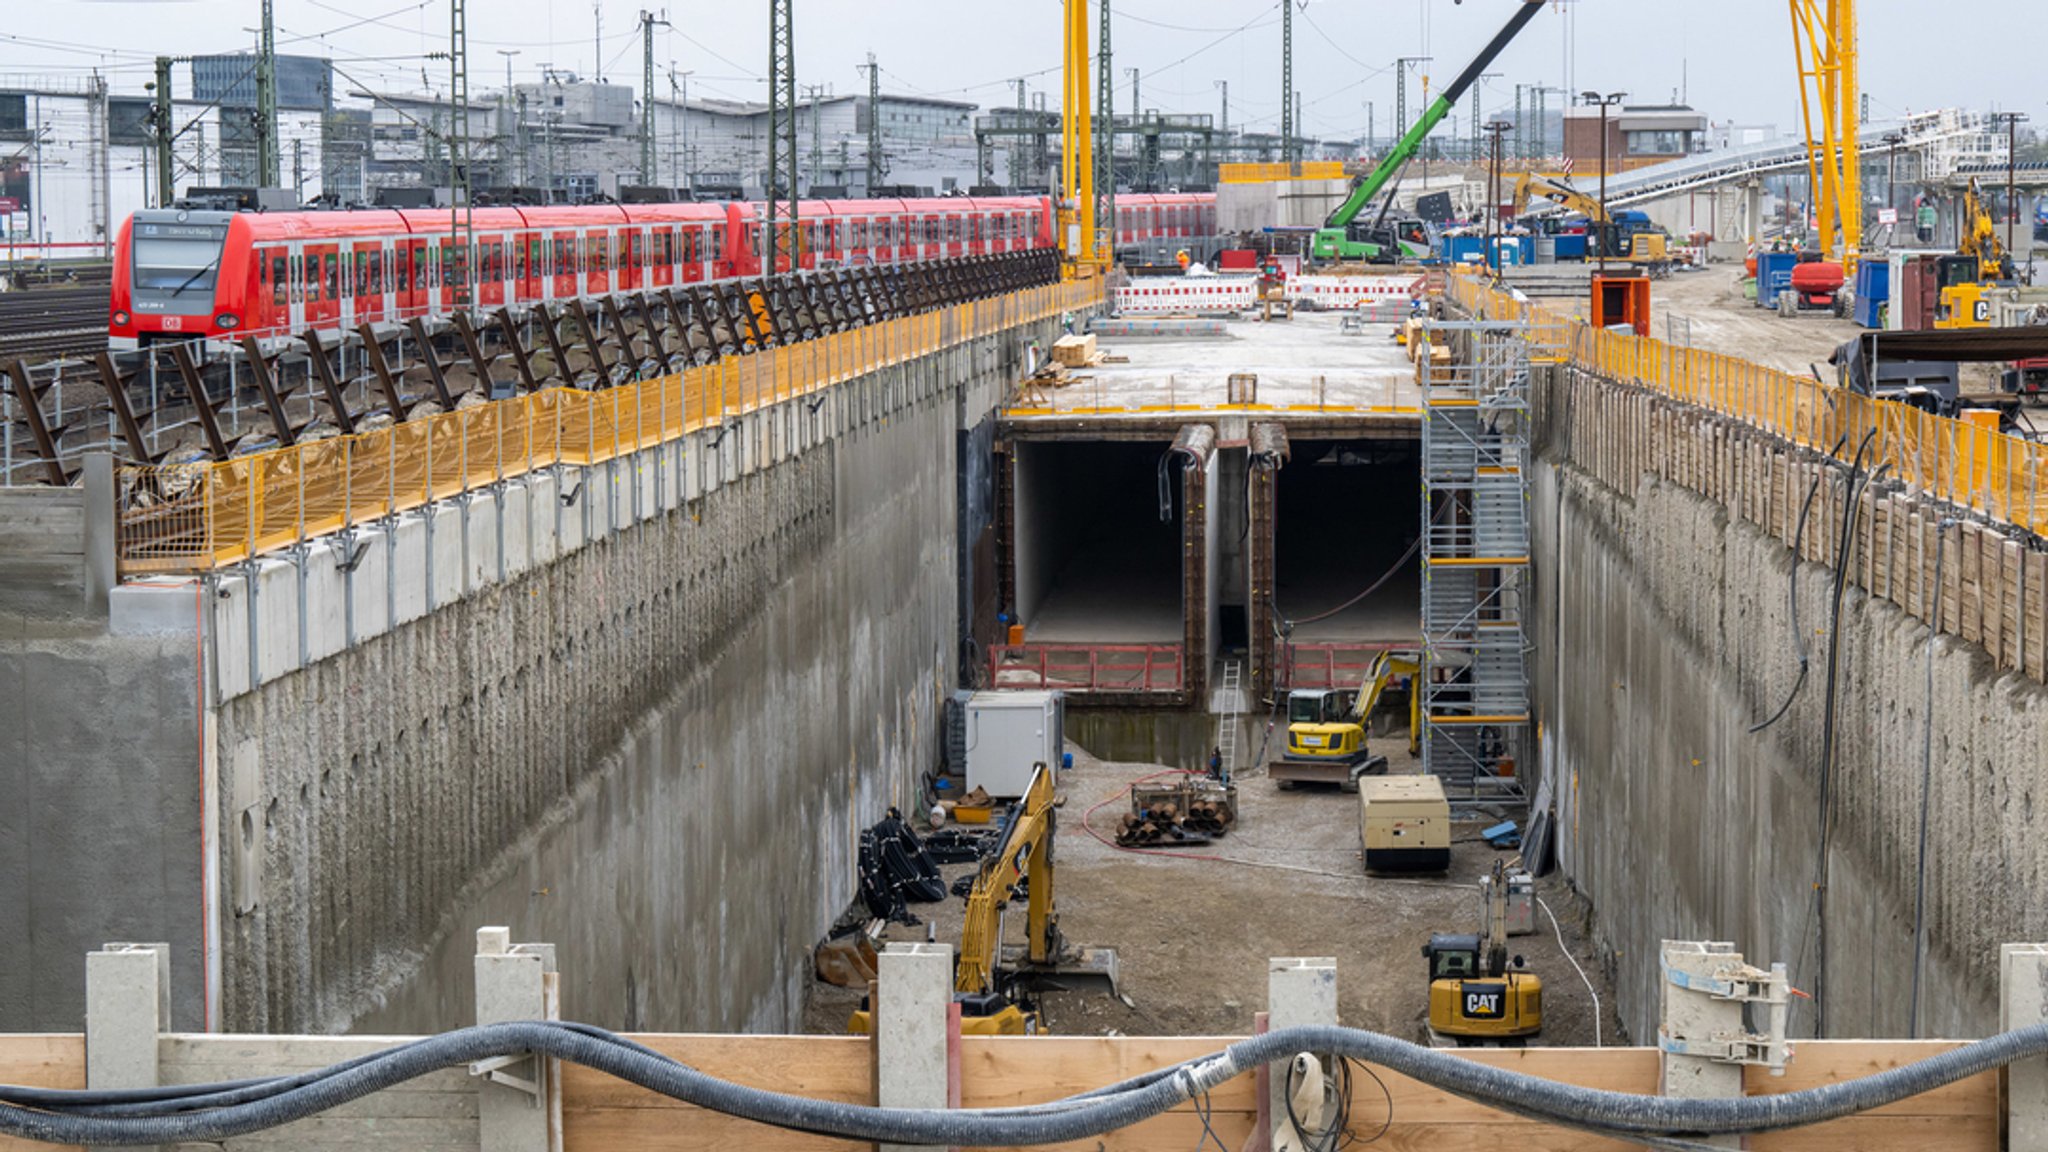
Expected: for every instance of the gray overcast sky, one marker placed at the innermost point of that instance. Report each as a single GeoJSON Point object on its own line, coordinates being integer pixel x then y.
{"type": "Point", "coordinates": [1734, 57]}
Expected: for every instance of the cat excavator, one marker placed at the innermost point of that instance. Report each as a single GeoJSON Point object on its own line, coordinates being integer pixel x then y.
{"type": "Point", "coordinates": [1326, 741]}
{"type": "Point", "coordinates": [1965, 279]}
{"type": "Point", "coordinates": [1477, 994]}
{"type": "Point", "coordinates": [1633, 241]}
{"type": "Point", "coordinates": [997, 986]}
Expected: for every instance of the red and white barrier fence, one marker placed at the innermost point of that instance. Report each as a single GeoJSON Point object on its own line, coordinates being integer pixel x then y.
{"type": "Point", "coordinates": [1181, 295]}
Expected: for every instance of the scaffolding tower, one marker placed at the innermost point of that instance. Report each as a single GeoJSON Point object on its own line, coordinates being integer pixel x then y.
{"type": "Point", "coordinates": [1475, 557]}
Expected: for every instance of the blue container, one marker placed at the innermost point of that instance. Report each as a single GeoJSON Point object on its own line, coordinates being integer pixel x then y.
{"type": "Point", "coordinates": [1507, 251]}
{"type": "Point", "coordinates": [1528, 246]}
{"type": "Point", "coordinates": [1464, 249]}
{"type": "Point", "coordinates": [1774, 275]}
{"type": "Point", "coordinates": [1873, 292]}
{"type": "Point", "coordinates": [1571, 247]}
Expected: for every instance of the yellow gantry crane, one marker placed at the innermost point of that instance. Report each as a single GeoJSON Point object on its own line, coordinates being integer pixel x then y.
{"type": "Point", "coordinates": [1084, 252]}
{"type": "Point", "coordinates": [1824, 41]}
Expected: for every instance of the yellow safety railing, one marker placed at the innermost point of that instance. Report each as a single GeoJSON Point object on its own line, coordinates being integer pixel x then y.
{"type": "Point", "coordinates": [193, 518]}
{"type": "Point", "coordinates": [1959, 461]}
{"type": "Point", "coordinates": [1266, 173]}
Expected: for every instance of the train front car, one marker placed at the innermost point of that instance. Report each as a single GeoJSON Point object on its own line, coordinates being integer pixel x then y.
{"type": "Point", "coordinates": [176, 277]}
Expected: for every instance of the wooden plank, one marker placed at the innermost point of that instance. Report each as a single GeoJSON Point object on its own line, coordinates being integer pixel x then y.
{"type": "Point", "coordinates": [434, 1112]}
{"type": "Point", "coordinates": [2010, 596]}
{"type": "Point", "coordinates": [1962, 1117]}
{"type": "Point", "coordinates": [2032, 618]}
{"type": "Point", "coordinates": [41, 1061]}
{"type": "Point", "coordinates": [1958, 593]}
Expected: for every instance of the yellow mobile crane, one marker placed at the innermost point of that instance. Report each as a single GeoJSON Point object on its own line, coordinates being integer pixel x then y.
{"type": "Point", "coordinates": [995, 986]}
{"type": "Point", "coordinates": [1963, 278]}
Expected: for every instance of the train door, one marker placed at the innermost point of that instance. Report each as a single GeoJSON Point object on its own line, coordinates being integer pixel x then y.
{"type": "Point", "coordinates": [565, 263]}
{"type": "Point", "coordinates": [487, 271]}
{"type": "Point", "coordinates": [519, 258]}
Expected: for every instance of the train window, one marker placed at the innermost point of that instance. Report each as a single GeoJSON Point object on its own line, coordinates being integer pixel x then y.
{"type": "Point", "coordinates": [280, 273]}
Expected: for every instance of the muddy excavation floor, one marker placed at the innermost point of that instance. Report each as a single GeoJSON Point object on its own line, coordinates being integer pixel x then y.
{"type": "Point", "coordinates": [1193, 934]}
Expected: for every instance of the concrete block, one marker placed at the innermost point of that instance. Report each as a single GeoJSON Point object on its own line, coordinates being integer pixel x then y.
{"type": "Point", "coordinates": [513, 983]}
{"type": "Point", "coordinates": [480, 560]}
{"type": "Point", "coordinates": [408, 577]}
{"type": "Point", "coordinates": [100, 576]}
{"type": "Point", "coordinates": [1300, 991]}
{"type": "Point", "coordinates": [1690, 1015]}
{"type": "Point", "coordinates": [326, 601]}
{"type": "Point", "coordinates": [127, 1007]}
{"type": "Point", "coordinates": [230, 625]}
{"type": "Point", "coordinates": [155, 605]}
{"type": "Point", "coordinates": [913, 1002]}
{"type": "Point", "coordinates": [544, 501]}
{"type": "Point", "coordinates": [369, 585]}
{"type": "Point", "coordinates": [444, 523]}
{"type": "Point", "coordinates": [579, 486]}
{"type": "Point", "coordinates": [646, 483]}
{"type": "Point", "coordinates": [277, 619]}
{"type": "Point", "coordinates": [2023, 1003]}
{"type": "Point", "coordinates": [516, 504]}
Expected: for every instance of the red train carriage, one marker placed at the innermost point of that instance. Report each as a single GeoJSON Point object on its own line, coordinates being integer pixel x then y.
{"type": "Point", "coordinates": [181, 273]}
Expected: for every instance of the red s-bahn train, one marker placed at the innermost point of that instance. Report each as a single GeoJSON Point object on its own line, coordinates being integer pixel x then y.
{"type": "Point", "coordinates": [182, 274]}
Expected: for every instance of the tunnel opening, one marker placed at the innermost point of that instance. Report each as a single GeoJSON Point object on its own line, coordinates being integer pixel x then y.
{"type": "Point", "coordinates": [1098, 542]}
{"type": "Point", "coordinates": [1346, 518]}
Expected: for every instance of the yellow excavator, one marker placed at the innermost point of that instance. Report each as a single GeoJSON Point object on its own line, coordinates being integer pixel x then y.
{"type": "Point", "coordinates": [1326, 741]}
{"type": "Point", "coordinates": [996, 986]}
{"type": "Point", "coordinates": [1636, 245]}
{"type": "Point", "coordinates": [1477, 995]}
{"type": "Point", "coordinates": [1964, 278]}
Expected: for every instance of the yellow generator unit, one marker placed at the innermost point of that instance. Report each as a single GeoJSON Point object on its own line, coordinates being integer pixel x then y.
{"type": "Point", "coordinates": [1404, 824]}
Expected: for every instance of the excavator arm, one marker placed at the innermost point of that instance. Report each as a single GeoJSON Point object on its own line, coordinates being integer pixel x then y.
{"type": "Point", "coordinates": [1025, 855]}
{"type": "Point", "coordinates": [1559, 193]}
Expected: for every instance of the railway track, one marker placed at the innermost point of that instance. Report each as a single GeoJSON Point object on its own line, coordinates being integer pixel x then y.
{"type": "Point", "coordinates": [49, 323]}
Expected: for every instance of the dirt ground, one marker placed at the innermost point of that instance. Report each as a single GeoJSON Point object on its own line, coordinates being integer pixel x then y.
{"type": "Point", "coordinates": [1193, 934]}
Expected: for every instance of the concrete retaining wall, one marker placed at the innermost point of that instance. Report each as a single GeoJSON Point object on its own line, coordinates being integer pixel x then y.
{"type": "Point", "coordinates": [651, 741]}
{"type": "Point", "coordinates": [639, 709]}
{"type": "Point", "coordinates": [1665, 631]}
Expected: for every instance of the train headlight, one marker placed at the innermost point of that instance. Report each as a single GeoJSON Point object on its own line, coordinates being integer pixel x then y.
{"type": "Point", "coordinates": [227, 320]}
{"type": "Point", "coordinates": [120, 319]}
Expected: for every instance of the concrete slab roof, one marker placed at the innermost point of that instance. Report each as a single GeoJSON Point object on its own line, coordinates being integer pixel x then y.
{"type": "Point", "coordinates": [1312, 376]}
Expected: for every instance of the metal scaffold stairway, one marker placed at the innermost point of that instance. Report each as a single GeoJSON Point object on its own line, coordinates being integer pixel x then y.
{"type": "Point", "coordinates": [1475, 558]}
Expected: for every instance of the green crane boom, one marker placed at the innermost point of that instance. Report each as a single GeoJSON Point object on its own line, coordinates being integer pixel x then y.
{"type": "Point", "coordinates": [1342, 237]}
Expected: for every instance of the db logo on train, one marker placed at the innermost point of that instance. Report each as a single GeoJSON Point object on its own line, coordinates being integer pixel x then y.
{"type": "Point", "coordinates": [174, 323]}
{"type": "Point", "coordinates": [1487, 1001]}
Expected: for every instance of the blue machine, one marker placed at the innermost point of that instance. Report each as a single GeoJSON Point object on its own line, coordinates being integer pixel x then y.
{"type": "Point", "coordinates": [1774, 275]}
{"type": "Point", "coordinates": [1873, 292]}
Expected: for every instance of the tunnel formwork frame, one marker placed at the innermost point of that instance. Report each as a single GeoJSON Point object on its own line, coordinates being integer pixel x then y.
{"type": "Point", "coordinates": [1475, 557]}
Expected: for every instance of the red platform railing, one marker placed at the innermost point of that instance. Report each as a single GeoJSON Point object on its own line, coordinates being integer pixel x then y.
{"type": "Point", "coordinates": [1088, 667]}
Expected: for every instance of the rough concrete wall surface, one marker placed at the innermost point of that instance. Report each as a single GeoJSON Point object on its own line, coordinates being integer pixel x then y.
{"type": "Point", "coordinates": [1665, 633]}
{"type": "Point", "coordinates": [654, 752]}
{"type": "Point", "coordinates": [100, 821]}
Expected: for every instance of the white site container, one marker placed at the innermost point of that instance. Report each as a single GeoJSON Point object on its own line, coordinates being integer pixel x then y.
{"type": "Point", "coordinates": [1010, 733]}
